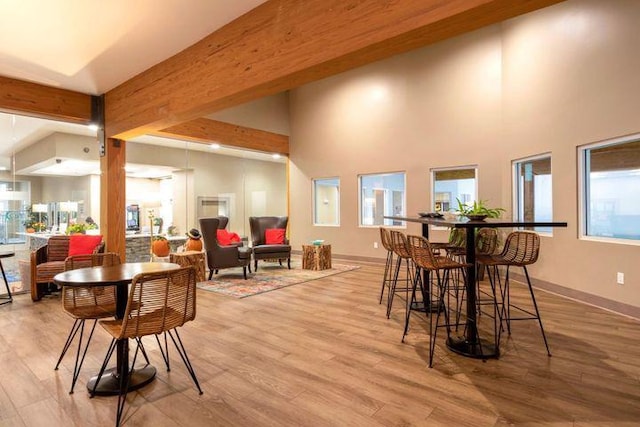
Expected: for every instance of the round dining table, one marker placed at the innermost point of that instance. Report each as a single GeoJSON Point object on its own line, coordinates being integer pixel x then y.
{"type": "Point", "coordinates": [121, 276]}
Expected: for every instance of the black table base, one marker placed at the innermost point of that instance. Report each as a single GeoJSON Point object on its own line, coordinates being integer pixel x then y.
{"type": "Point", "coordinates": [480, 349]}
{"type": "Point", "coordinates": [109, 384]}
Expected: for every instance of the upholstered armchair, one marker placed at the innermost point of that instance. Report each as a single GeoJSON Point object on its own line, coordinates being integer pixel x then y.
{"type": "Point", "coordinates": [263, 247]}
{"type": "Point", "coordinates": [219, 257]}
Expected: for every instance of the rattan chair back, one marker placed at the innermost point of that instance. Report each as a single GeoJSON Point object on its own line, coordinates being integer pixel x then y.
{"type": "Point", "coordinates": [90, 302]}
{"type": "Point", "coordinates": [385, 239]}
{"type": "Point", "coordinates": [422, 253]}
{"type": "Point", "coordinates": [521, 248]}
{"type": "Point", "coordinates": [486, 241]}
{"type": "Point", "coordinates": [159, 302]}
{"type": "Point", "coordinates": [399, 244]}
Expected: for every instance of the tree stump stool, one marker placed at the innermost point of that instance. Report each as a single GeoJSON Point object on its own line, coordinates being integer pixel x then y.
{"type": "Point", "coordinates": [316, 257]}
{"type": "Point", "coordinates": [194, 258]}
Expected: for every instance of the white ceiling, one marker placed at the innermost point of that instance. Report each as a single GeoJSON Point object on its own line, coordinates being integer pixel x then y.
{"type": "Point", "coordinates": [91, 46]}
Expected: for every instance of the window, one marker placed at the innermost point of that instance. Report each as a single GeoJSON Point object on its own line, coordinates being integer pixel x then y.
{"type": "Point", "coordinates": [610, 189]}
{"type": "Point", "coordinates": [326, 201]}
{"type": "Point", "coordinates": [451, 185]}
{"type": "Point", "coordinates": [532, 187]}
{"type": "Point", "coordinates": [381, 195]}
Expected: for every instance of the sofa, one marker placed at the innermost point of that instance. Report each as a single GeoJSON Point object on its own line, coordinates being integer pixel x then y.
{"type": "Point", "coordinates": [48, 260]}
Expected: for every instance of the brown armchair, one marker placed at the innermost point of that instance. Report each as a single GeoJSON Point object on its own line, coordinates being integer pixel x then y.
{"type": "Point", "coordinates": [48, 261]}
{"type": "Point", "coordinates": [261, 250]}
{"type": "Point", "coordinates": [219, 257]}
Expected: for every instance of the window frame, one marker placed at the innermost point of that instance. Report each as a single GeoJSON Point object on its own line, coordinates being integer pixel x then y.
{"type": "Point", "coordinates": [433, 172]}
{"type": "Point", "coordinates": [313, 201]}
{"type": "Point", "coordinates": [515, 196]}
{"type": "Point", "coordinates": [403, 224]}
{"type": "Point", "coordinates": [584, 186]}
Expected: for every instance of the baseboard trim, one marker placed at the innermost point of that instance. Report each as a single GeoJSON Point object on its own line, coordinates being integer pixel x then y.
{"type": "Point", "coordinates": [583, 297]}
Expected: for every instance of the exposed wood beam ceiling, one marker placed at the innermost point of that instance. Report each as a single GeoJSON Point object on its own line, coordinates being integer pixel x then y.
{"type": "Point", "coordinates": [282, 44]}
{"type": "Point", "coordinates": [208, 131]}
{"type": "Point", "coordinates": [32, 99]}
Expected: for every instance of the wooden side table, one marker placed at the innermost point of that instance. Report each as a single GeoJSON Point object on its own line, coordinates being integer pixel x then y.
{"type": "Point", "coordinates": [194, 258]}
{"type": "Point", "coordinates": [316, 257]}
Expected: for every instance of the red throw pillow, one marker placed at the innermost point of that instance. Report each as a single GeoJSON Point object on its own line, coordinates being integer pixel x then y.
{"type": "Point", "coordinates": [233, 237]}
{"type": "Point", "coordinates": [223, 237]}
{"type": "Point", "coordinates": [274, 236]}
{"type": "Point", "coordinates": [83, 244]}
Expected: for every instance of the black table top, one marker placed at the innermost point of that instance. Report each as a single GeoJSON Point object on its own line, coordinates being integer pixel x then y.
{"type": "Point", "coordinates": [461, 222]}
{"type": "Point", "coordinates": [113, 275]}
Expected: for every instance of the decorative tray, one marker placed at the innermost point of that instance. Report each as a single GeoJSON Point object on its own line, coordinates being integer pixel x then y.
{"type": "Point", "coordinates": [430, 214]}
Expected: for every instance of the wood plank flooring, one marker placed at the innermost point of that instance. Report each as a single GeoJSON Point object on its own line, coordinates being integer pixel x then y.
{"type": "Point", "coordinates": [323, 353]}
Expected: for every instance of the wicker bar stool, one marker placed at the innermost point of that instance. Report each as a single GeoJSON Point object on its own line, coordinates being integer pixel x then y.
{"type": "Point", "coordinates": [385, 239]}
{"type": "Point", "coordinates": [86, 303]}
{"type": "Point", "coordinates": [400, 249]}
{"type": "Point", "coordinates": [521, 249]}
{"type": "Point", "coordinates": [440, 268]}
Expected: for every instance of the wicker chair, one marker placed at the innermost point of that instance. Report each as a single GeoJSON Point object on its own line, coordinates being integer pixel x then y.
{"type": "Point", "coordinates": [158, 303]}
{"type": "Point", "coordinates": [424, 258]}
{"type": "Point", "coordinates": [400, 249]}
{"type": "Point", "coordinates": [521, 249]}
{"type": "Point", "coordinates": [86, 303]}
{"type": "Point", "coordinates": [385, 239]}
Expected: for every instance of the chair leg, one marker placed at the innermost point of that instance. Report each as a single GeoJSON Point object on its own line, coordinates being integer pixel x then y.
{"type": "Point", "coordinates": [78, 325]}
{"type": "Point", "coordinates": [417, 279]}
{"type": "Point", "coordinates": [164, 352]}
{"type": "Point", "coordinates": [70, 337]}
{"type": "Point", "coordinates": [289, 263]}
{"type": "Point", "coordinates": [244, 271]}
{"type": "Point", "coordinates": [210, 274]}
{"type": "Point", "coordinates": [255, 265]}
{"type": "Point", "coordinates": [110, 350]}
{"type": "Point", "coordinates": [392, 290]}
{"type": "Point", "coordinates": [384, 276]}
{"type": "Point", "coordinates": [183, 354]}
{"type": "Point", "coordinates": [535, 305]}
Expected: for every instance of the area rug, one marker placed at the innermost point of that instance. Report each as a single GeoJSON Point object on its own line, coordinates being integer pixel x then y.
{"type": "Point", "coordinates": [268, 278]}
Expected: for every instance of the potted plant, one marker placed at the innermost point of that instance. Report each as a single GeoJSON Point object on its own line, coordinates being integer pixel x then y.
{"type": "Point", "coordinates": [478, 211]}
{"type": "Point", "coordinates": [76, 229]}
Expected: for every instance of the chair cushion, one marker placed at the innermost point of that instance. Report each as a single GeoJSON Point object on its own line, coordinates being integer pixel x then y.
{"type": "Point", "coordinates": [274, 236]}
{"type": "Point", "coordinates": [271, 249]}
{"type": "Point", "coordinates": [46, 271]}
{"type": "Point", "coordinates": [83, 244]}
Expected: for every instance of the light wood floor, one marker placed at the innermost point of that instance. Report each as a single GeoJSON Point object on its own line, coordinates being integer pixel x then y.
{"type": "Point", "coordinates": [323, 353]}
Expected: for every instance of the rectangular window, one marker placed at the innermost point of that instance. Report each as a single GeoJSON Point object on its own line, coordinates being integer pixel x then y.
{"type": "Point", "coordinates": [381, 195]}
{"type": "Point", "coordinates": [326, 201]}
{"type": "Point", "coordinates": [532, 187]}
{"type": "Point", "coordinates": [451, 185]}
{"type": "Point", "coordinates": [610, 189]}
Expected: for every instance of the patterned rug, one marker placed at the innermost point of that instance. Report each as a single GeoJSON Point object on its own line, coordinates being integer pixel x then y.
{"type": "Point", "coordinates": [268, 278]}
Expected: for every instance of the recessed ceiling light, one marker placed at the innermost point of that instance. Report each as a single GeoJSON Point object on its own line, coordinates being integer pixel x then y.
{"type": "Point", "coordinates": [214, 146]}
{"type": "Point", "coordinates": [275, 156]}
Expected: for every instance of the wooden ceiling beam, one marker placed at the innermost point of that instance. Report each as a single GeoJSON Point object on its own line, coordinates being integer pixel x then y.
{"type": "Point", "coordinates": [32, 99]}
{"type": "Point", "coordinates": [283, 44]}
{"type": "Point", "coordinates": [208, 131]}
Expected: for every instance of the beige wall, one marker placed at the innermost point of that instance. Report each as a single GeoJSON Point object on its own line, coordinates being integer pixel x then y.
{"type": "Point", "coordinates": [544, 82]}
{"type": "Point", "coordinates": [270, 113]}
